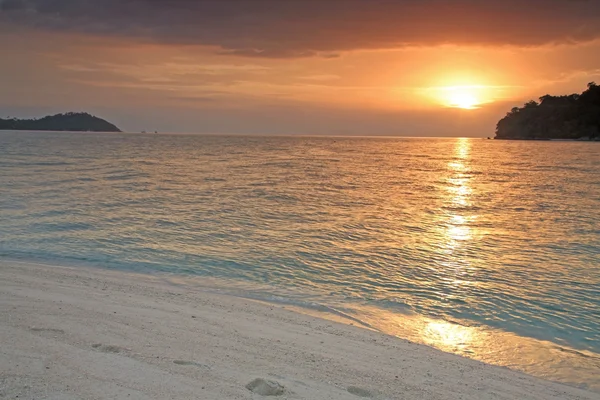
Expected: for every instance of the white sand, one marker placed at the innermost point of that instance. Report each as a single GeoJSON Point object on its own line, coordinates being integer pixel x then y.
{"type": "Point", "coordinates": [80, 333]}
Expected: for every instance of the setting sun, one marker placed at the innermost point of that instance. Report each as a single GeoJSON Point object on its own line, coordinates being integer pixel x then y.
{"type": "Point", "coordinates": [465, 97]}
{"type": "Point", "coordinates": [462, 98]}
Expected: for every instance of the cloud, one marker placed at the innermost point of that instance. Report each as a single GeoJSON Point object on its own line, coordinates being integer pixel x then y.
{"type": "Point", "coordinates": [306, 28]}
{"type": "Point", "coordinates": [12, 5]}
{"type": "Point", "coordinates": [320, 77]}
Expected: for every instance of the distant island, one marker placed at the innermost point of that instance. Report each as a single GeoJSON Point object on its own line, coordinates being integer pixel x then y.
{"type": "Point", "coordinates": [76, 122]}
{"type": "Point", "coordinates": [572, 117]}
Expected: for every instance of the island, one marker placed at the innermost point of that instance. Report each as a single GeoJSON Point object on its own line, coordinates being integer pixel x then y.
{"type": "Point", "coordinates": [71, 121]}
{"type": "Point", "coordinates": [570, 117]}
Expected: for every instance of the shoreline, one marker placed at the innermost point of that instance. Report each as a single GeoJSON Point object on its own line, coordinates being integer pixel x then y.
{"type": "Point", "coordinates": [540, 358]}
{"type": "Point", "coordinates": [86, 333]}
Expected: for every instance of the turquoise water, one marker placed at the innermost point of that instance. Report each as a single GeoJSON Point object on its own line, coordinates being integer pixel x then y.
{"type": "Point", "coordinates": [489, 249]}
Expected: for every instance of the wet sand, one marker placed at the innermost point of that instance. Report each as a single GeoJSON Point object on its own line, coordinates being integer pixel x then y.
{"type": "Point", "coordinates": [72, 333]}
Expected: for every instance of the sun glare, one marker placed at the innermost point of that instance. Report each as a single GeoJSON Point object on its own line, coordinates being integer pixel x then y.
{"type": "Point", "coordinates": [461, 98]}
{"type": "Point", "coordinates": [465, 97]}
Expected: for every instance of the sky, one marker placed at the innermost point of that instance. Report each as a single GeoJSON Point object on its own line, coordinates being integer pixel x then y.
{"type": "Point", "coordinates": [312, 67]}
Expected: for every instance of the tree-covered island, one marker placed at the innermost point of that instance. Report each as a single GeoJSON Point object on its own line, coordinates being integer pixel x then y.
{"type": "Point", "coordinates": [575, 117]}
{"type": "Point", "coordinates": [76, 122]}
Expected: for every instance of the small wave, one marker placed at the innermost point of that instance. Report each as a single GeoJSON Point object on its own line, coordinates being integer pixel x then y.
{"type": "Point", "coordinates": [578, 353]}
{"type": "Point", "coordinates": [124, 177]}
{"type": "Point", "coordinates": [61, 227]}
{"type": "Point", "coordinates": [48, 164]}
{"type": "Point", "coordinates": [308, 305]}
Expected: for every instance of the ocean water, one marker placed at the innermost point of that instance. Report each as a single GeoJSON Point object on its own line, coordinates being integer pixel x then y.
{"type": "Point", "coordinates": [488, 249]}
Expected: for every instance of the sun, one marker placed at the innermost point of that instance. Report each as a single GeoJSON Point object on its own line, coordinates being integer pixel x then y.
{"type": "Point", "coordinates": [464, 97]}
{"type": "Point", "coordinates": [463, 94]}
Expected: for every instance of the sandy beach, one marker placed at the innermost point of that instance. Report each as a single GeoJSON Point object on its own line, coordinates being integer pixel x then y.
{"type": "Point", "coordinates": [81, 333]}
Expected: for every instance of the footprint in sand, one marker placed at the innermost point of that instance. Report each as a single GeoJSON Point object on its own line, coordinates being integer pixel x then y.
{"type": "Point", "coordinates": [265, 388]}
{"type": "Point", "coordinates": [106, 348]}
{"type": "Point", "coordinates": [360, 392]}
{"type": "Point", "coordinates": [192, 363]}
{"type": "Point", "coordinates": [49, 330]}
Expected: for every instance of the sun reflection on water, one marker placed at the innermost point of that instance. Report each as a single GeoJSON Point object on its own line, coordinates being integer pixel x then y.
{"type": "Point", "coordinates": [459, 197]}
{"type": "Point", "coordinates": [449, 337]}
{"type": "Point", "coordinates": [491, 346]}
{"type": "Point", "coordinates": [455, 237]}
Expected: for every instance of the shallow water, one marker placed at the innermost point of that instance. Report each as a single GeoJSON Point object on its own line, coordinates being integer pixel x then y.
{"type": "Point", "coordinates": [489, 249]}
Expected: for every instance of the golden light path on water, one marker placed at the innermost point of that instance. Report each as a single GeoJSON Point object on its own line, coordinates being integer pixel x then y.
{"type": "Point", "coordinates": [455, 231]}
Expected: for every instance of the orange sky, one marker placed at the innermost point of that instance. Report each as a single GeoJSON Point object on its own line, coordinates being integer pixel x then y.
{"type": "Point", "coordinates": [283, 70]}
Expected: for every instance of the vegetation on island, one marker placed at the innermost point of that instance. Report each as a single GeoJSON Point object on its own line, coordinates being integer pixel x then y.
{"type": "Point", "coordinates": [575, 117]}
{"type": "Point", "coordinates": [76, 122]}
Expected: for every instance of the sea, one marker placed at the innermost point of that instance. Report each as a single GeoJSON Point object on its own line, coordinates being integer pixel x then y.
{"type": "Point", "coordinates": [483, 248]}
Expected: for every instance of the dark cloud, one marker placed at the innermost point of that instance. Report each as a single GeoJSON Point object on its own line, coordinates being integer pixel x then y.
{"type": "Point", "coordinates": [12, 5]}
{"type": "Point", "coordinates": [301, 28]}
